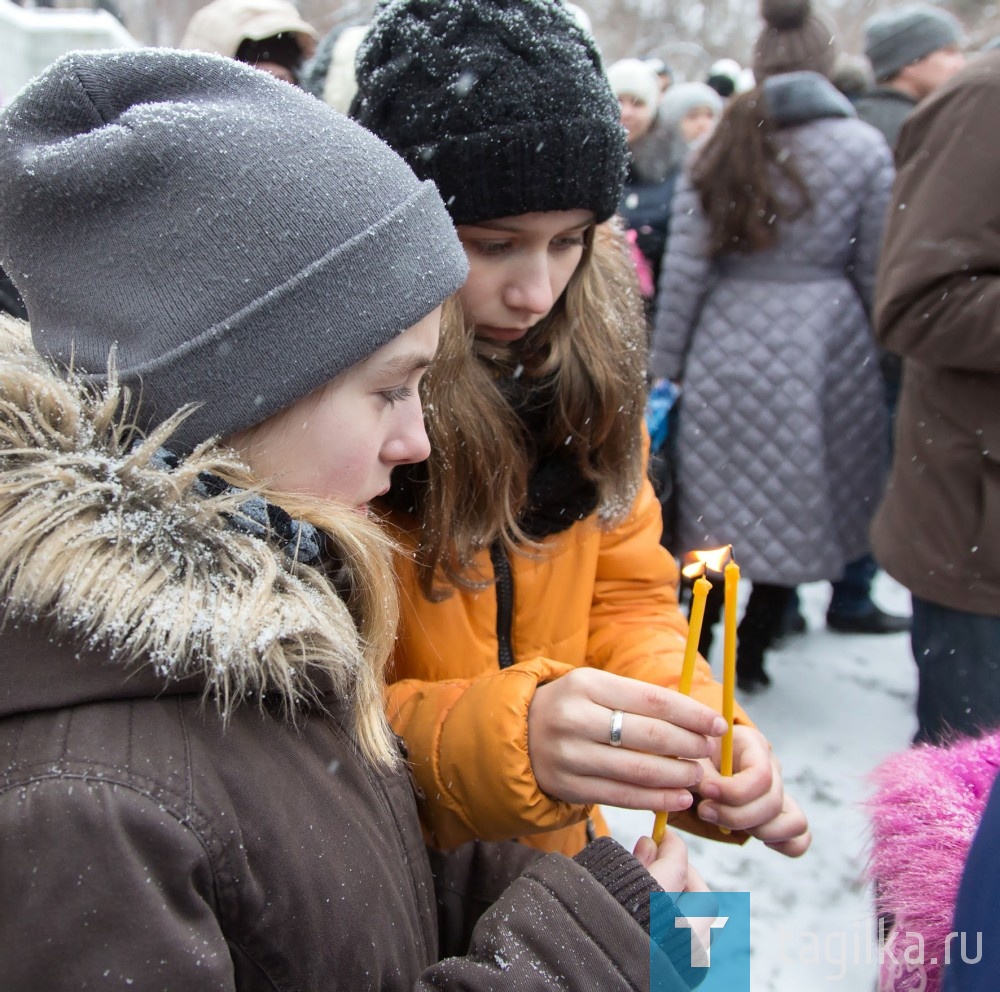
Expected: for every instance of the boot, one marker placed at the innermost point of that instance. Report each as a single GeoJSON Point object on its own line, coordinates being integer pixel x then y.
{"type": "Point", "coordinates": [750, 674]}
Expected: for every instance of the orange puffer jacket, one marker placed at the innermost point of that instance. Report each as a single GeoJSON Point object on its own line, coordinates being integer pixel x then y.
{"type": "Point", "coordinates": [604, 598]}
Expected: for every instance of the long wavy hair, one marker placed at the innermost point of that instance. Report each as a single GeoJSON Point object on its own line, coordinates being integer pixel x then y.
{"type": "Point", "coordinates": [743, 176]}
{"type": "Point", "coordinates": [586, 360]}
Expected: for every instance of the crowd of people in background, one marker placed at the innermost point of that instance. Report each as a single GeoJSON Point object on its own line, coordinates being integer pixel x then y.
{"type": "Point", "coordinates": [796, 258]}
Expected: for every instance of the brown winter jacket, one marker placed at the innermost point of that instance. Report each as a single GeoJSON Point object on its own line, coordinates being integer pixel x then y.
{"type": "Point", "coordinates": [153, 839]}
{"type": "Point", "coordinates": [938, 305]}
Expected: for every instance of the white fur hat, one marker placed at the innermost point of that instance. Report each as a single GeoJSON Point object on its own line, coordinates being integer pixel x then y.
{"type": "Point", "coordinates": [632, 77]}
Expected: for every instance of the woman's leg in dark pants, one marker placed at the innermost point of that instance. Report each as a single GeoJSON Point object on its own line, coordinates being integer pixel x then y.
{"type": "Point", "coordinates": [757, 631]}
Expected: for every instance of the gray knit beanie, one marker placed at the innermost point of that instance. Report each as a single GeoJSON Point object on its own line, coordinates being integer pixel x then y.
{"type": "Point", "coordinates": [682, 98]}
{"type": "Point", "coordinates": [237, 241]}
{"type": "Point", "coordinates": [898, 37]}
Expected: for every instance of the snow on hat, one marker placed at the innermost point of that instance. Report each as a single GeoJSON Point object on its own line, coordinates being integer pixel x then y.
{"type": "Point", "coordinates": [896, 38]}
{"type": "Point", "coordinates": [503, 103]}
{"type": "Point", "coordinates": [582, 17]}
{"type": "Point", "coordinates": [222, 25]}
{"type": "Point", "coordinates": [682, 98]}
{"type": "Point", "coordinates": [794, 39]}
{"type": "Point", "coordinates": [635, 78]}
{"type": "Point", "coordinates": [233, 239]}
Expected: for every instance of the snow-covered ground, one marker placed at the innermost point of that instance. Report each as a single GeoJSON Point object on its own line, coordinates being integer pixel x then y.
{"type": "Point", "coordinates": [838, 705]}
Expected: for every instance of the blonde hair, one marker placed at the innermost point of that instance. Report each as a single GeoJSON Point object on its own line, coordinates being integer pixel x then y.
{"type": "Point", "coordinates": [366, 584]}
{"type": "Point", "coordinates": [588, 356]}
{"type": "Point", "coordinates": [76, 474]}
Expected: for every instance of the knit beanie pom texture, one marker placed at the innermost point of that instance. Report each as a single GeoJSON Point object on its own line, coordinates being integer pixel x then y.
{"type": "Point", "coordinates": [795, 38]}
{"type": "Point", "coordinates": [502, 103]}
{"type": "Point", "coordinates": [785, 15]}
{"type": "Point", "coordinates": [232, 239]}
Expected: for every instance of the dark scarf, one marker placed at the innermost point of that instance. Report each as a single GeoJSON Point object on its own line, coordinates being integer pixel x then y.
{"type": "Point", "coordinates": [558, 494]}
{"type": "Point", "coordinates": [299, 540]}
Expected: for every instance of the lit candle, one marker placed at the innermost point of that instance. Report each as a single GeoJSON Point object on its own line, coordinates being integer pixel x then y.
{"type": "Point", "coordinates": [699, 593]}
{"type": "Point", "coordinates": [732, 584]}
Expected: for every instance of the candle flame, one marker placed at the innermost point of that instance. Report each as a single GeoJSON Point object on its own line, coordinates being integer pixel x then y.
{"type": "Point", "coordinates": [710, 560]}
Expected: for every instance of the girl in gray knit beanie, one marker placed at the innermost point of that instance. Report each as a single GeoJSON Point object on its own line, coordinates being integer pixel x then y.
{"type": "Point", "coordinates": [193, 632]}
{"type": "Point", "coordinates": [190, 284]}
{"type": "Point", "coordinates": [532, 532]}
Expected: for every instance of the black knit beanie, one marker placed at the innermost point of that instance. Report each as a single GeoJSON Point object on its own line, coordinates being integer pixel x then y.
{"type": "Point", "coordinates": [503, 103]}
{"type": "Point", "coordinates": [236, 241]}
{"type": "Point", "coordinates": [794, 39]}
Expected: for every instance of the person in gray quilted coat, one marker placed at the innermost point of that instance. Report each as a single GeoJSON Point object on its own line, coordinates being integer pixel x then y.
{"type": "Point", "coordinates": [764, 316]}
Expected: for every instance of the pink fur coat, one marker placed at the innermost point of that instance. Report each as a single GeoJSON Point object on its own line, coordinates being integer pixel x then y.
{"type": "Point", "coordinates": [925, 812]}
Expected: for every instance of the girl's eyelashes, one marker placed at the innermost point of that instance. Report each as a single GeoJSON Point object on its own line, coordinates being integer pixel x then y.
{"type": "Point", "coordinates": [493, 248]}
{"type": "Point", "coordinates": [396, 395]}
{"type": "Point", "coordinates": [489, 247]}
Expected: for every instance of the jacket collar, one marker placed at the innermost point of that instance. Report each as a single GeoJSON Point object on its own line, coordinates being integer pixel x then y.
{"type": "Point", "coordinates": [891, 93]}
{"type": "Point", "coordinates": [133, 575]}
{"type": "Point", "coordinates": [799, 97]}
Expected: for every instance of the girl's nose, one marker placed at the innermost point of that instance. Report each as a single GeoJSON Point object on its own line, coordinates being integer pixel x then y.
{"type": "Point", "coordinates": [409, 444]}
{"type": "Point", "coordinates": [531, 289]}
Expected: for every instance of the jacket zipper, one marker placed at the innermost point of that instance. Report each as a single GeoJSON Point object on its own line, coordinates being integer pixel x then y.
{"type": "Point", "coordinates": [505, 603]}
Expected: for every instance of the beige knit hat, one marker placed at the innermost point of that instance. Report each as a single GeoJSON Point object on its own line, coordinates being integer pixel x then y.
{"type": "Point", "coordinates": [221, 26]}
{"type": "Point", "coordinates": [794, 38]}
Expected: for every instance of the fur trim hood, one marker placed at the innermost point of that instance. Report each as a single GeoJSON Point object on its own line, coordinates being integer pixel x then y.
{"type": "Point", "coordinates": [107, 550]}
{"type": "Point", "coordinates": [926, 809]}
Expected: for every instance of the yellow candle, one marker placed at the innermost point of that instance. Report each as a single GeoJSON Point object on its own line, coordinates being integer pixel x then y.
{"type": "Point", "coordinates": [659, 828]}
{"type": "Point", "coordinates": [699, 593]}
{"type": "Point", "coordinates": [702, 587]}
{"type": "Point", "coordinates": [732, 583]}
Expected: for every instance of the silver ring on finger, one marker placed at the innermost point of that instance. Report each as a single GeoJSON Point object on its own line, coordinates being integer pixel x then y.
{"type": "Point", "coordinates": [617, 719]}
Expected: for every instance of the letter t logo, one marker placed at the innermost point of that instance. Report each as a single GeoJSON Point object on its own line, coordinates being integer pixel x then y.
{"type": "Point", "coordinates": [689, 923]}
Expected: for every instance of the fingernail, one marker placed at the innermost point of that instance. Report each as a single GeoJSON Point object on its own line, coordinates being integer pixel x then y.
{"type": "Point", "coordinates": [708, 813]}
{"type": "Point", "coordinates": [645, 850]}
{"type": "Point", "coordinates": [719, 726]}
{"type": "Point", "coordinates": [684, 800]}
{"type": "Point", "coordinates": [710, 790]}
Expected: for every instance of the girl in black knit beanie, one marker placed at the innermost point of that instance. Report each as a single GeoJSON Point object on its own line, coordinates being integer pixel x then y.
{"type": "Point", "coordinates": [541, 627]}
